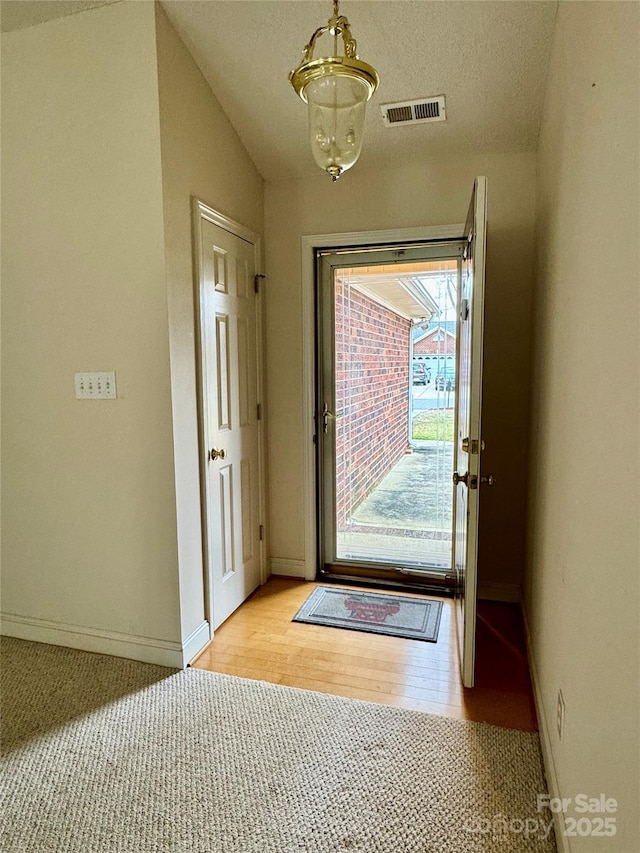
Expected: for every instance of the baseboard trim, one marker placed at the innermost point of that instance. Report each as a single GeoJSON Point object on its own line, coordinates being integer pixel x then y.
{"type": "Point", "coordinates": [287, 568]}
{"type": "Point", "coordinates": [145, 649]}
{"type": "Point", "coordinates": [492, 591]}
{"type": "Point", "coordinates": [195, 642]}
{"type": "Point", "coordinates": [562, 841]}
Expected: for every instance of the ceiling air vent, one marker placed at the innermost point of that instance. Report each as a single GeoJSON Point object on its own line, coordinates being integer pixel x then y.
{"type": "Point", "coordinates": [414, 112]}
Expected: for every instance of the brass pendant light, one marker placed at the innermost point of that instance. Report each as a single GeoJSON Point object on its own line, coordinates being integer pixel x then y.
{"type": "Point", "coordinates": [336, 89]}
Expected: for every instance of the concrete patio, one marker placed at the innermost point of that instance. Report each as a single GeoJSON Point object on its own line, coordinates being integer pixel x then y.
{"type": "Point", "coordinates": [407, 518]}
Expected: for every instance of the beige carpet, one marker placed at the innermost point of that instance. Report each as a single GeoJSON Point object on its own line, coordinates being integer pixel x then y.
{"type": "Point", "coordinates": [103, 755]}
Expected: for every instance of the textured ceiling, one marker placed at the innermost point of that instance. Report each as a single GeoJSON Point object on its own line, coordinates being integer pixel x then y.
{"type": "Point", "coordinates": [489, 58]}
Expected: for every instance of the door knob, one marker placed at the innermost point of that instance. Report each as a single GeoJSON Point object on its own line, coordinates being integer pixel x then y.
{"type": "Point", "coordinates": [216, 454]}
{"type": "Point", "coordinates": [470, 480]}
{"type": "Point", "coordinates": [490, 480]}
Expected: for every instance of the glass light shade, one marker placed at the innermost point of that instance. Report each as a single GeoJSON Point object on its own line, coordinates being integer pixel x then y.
{"type": "Point", "coordinates": [337, 105]}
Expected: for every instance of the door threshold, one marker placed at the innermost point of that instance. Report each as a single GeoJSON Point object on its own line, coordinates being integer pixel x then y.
{"type": "Point", "coordinates": [432, 584]}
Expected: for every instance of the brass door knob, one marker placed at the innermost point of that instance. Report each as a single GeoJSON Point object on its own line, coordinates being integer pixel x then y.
{"type": "Point", "coordinates": [470, 480]}
{"type": "Point", "coordinates": [216, 454]}
{"type": "Point", "coordinates": [490, 480]}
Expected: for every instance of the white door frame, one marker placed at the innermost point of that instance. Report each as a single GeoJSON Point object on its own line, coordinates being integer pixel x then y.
{"type": "Point", "coordinates": [309, 245]}
{"type": "Point", "coordinates": [200, 210]}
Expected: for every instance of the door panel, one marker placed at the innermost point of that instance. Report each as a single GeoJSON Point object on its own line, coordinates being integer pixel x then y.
{"type": "Point", "coordinates": [228, 309]}
{"type": "Point", "coordinates": [222, 376]}
{"type": "Point", "coordinates": [243, 370]}
{"type": "Point", "coordinates": [225, 475]}
{"type": "Point", "coordinates": [468, 444]}
{"type": "Point", "coordinates": [248, 520]}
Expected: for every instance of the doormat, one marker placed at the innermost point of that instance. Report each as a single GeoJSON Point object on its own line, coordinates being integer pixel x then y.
{"type": "Point", "coordinates": [375, 612]}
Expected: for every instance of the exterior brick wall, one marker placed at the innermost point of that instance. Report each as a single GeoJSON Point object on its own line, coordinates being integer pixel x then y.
{"type": "Point", "coordinates": [372, 395]}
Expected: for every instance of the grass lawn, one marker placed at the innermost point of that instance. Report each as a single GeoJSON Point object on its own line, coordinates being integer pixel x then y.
{"type": "Point", "coordinates": [433, 425]}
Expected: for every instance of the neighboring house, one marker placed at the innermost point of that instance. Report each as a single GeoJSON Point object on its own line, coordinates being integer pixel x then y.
{"type": "Point", "coordinates": [436, 340]}
{"type": "Point", "coordinates": [436, 347]}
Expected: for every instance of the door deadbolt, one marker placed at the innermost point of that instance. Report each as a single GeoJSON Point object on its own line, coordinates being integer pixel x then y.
{"type": "Point", "coordinates": [473, 445]}
{"type": "Point", "coordinates": [217, 454]}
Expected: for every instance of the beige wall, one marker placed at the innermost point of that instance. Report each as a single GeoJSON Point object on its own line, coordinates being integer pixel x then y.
{"type": "Point", "coordinates": [101, 513]}
{"type": "Point", "coordinates": [201, 156]}
{"type": "Point", "coordinates": [582, 592]}
{"type": "Point", "coordinates": [89, 533]}
{"type": "Point", "coordinates": [436, 193]}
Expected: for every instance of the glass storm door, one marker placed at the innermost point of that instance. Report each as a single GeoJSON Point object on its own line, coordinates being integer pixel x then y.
{"type": "Point", "coordinates": [386, 408]}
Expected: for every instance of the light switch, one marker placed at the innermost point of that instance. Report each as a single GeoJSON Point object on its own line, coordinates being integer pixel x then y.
{"type": "Point", "coordinates": [96, 385]}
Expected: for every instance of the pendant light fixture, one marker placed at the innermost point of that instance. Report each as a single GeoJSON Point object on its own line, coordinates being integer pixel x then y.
{"type": "Point", "coordinates": [336, 90]}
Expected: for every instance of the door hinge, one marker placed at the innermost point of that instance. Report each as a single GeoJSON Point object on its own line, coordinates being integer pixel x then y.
{"type": "Point", "coordinates": [261, 530]}
{"type": "Point", "coordinates": [259, 411]}
{"type": "Point", "coordinates": [256, 281]}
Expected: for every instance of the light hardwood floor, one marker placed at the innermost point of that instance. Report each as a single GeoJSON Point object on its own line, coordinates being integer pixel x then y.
{"type": "Point", "coordinates": [260, 641]}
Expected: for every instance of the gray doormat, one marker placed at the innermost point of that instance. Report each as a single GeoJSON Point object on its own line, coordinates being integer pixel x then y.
{"type": "Point", "coordinates": [375, 612]}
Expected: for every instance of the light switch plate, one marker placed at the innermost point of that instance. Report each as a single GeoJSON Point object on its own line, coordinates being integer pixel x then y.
{"type": "Point", "coordinates": [96, 385]}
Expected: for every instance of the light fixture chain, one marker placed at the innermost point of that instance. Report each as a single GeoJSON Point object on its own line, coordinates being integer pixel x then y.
{"type": "Point", "coordinates": [336, 10]}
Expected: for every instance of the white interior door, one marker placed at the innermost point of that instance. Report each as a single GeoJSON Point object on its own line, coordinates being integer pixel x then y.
{"type": "Point", "coordinates": [468, 443]}
{"type": "Point", "coordinates": [230, 417]}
